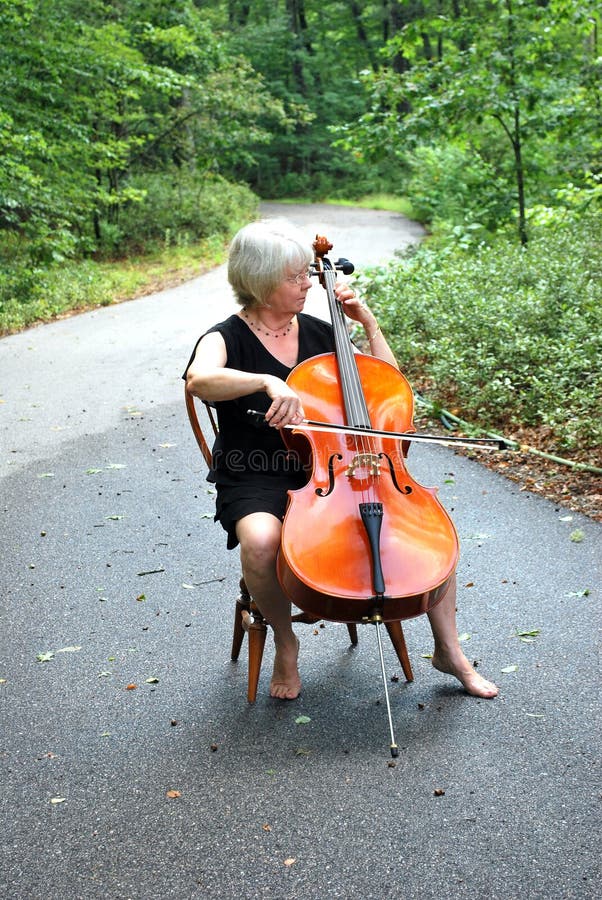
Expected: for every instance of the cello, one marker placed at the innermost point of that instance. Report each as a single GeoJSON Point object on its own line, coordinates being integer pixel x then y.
{"type": "Point", "coordinates": [362, 541]}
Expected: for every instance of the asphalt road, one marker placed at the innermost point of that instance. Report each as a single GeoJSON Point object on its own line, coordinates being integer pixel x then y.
{"type": "Point", "coordinates": [113, 574]}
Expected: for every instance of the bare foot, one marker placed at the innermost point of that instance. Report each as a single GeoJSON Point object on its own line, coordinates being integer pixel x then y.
{"type": "Point", "coordinates": [286, 683]}
{"type": "Point", "coordinates": [461, 669]}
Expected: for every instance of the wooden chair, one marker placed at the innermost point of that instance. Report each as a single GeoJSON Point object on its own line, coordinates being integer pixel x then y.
{"type": "Point", "coordinates": [248, 619]}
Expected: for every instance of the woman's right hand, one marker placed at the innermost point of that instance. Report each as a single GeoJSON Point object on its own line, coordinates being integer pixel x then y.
{"type": "Point", "coordinates": [286, 408]}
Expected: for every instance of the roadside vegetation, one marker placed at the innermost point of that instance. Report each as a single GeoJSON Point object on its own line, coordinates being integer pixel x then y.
{"type": "Point", "coordinates": [502, 335]}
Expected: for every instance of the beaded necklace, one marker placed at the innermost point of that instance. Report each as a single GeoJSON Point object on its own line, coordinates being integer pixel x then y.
{"type": "Point", "coordinates": [282, 332]}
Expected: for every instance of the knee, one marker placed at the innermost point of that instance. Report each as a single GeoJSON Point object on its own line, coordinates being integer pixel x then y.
{"type": "Point", "coordinates": [258, 551]}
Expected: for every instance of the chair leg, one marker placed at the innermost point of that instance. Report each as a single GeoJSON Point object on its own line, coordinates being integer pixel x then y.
{"type": "Point", "coordinates": [352, 629]}
{"type": "Point", "coordinates": [243, 605]}
{"type": "Point", "coordinates": [239, 631]}
{"type": "Point", "coordinates": [257, 634]}
{"type": "Point", "coordinates": [248, 620]}
{"type": "Point", "coordinates": [395, 632]}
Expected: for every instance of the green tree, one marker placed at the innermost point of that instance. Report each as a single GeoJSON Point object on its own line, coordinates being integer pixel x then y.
{"type": "Point", "coordinates": [512, 82]}
{"type": "Point", "coordinates": [94, 94]}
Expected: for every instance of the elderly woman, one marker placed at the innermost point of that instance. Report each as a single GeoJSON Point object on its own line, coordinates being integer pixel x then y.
{"type": "Point", "coordinates": [243, 362]}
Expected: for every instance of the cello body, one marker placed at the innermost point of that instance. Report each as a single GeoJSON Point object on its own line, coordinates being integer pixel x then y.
{"type": "Point", "coordinates": [362, 539]}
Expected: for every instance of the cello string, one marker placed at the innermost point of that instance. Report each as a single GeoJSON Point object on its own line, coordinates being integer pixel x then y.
{"type": "Point", "coordinates": [356, 406]}
{"type": "Point", "coordinates": [366, 444]}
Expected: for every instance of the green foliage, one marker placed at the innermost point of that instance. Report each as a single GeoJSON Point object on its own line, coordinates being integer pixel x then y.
{"type": "Point", "coordinates": [516, 82]}
{"type": "Point", "coordinates": [179, 205]}
{"type": "Point", "coordinates": [37, 282]}
{"type": "Point", "coordinates": [94, 96]}
{"type": "Point", "coordinates": [30, 293]}
{"type": "Point", "coordinates": [505, 335]}
{"type": "Point", "coordinates": [451, 186]}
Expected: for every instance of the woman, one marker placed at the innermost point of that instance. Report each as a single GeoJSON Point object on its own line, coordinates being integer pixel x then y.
{"type": "Point", "coordinates": [242, 363]}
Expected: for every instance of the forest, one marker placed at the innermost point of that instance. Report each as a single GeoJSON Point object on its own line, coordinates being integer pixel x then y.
{"type": "Point", "coordinates": [135, 131]}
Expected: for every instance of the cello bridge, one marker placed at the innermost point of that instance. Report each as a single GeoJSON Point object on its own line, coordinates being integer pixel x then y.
{"type": "Point", "coordinates": [369, 462]}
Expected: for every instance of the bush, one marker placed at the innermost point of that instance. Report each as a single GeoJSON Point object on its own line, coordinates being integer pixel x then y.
{"type": "Point", "coordinates": [39, 280]}
{"type": "Point", "coordinates": [32, 293]}
{"type": "Point", "coordinates": [450, 187]}
{"type": "Point", "coordinates": [181, 206]}
{"type": "Point", "coordinates": [502, 334]}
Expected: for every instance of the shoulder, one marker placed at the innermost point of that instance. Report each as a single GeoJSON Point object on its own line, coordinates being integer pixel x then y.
{"type": "Point", "coordinates": [218, 338]}
{"type": "Point", "coordinates": [231, 326]}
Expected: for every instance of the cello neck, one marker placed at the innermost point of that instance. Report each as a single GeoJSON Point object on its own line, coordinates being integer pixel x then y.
{"type": "Point", "coordinates": [354, 401]}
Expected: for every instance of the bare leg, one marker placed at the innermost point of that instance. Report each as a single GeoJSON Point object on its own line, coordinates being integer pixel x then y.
{"type": "Point", "coordinates": [448, 656]}
{"type": "Point", "coordinates": [259, 536]}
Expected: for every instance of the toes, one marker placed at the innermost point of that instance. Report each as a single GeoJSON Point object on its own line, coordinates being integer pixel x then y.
{"type": "Point", "coordinates": [284, 691]}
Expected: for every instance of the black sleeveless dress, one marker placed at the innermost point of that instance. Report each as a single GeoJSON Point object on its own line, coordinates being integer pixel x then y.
{"type": "Point", "coordinates": [252, 469]}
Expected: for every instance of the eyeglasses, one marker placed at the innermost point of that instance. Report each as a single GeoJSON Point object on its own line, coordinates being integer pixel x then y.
{"type": "Point", "coordinates": [297, 279]}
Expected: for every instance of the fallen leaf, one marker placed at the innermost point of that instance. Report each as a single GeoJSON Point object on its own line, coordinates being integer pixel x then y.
{"type": "Point", "coordinates": [45, 657]}
{"type": "Point", "coordinates": [46, 475]}
{"type": "Point", "coordinates": [302, 751]}
{"type": "Point", "coordinates": [469, 584]}
{"type": "Point", "coordinates": [93, 471]}
{"type": "Point", "coordinates": [508, 669]}
{"type": "Point", "coordinates": [131, 687]}
{"type": "Point", "coordinates": [302, 720]}
{"type": "Point", "coordinates": [290, 861]}
{"type": "Point", "coordinates": [114, 518]}
{"type": "Point", "coordinates": [68, 650]}
{"type": "Point", "coordinates": [141, 597]}
{"type": "Point", "coordinates": [577, 536]}
{"type": "Point", "coordinates": [464, 637]}
{"type": "Point", "coordinates": [584, 593]}
{"type": "Point", "coordinates": [189, 587]}
{"type": "Point", "coordinates": [152, 681]}
{"type": "Point", "coordinates": [266, 827]}
{"type": "Point", "coordinates": [439, 792]}
{"type": "Point", "coordinates": [173, 794]}
{"type": "Point", "coordinates": [528, 637]}
{"type": "Point", "coordinates": [104, 674]}
{"type": "Point", "coordinates": [2, 680]}
{"type": "Point", "coordinates": [56, 800]}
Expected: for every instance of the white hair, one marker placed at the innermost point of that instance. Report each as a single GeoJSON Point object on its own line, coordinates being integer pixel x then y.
{"type": "Point", "coordinates": [262, 254]}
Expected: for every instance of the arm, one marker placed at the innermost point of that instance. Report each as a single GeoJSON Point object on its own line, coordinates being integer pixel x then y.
{"type": "Point", "coordinates": [209, 378]}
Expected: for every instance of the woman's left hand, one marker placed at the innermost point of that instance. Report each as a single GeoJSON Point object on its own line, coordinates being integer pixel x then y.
{"type": "Point", "coordinates": [353, 307]}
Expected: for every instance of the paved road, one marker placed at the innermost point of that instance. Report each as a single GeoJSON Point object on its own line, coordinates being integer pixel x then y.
{"type": "Point", "coordinates": [101, 483]}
